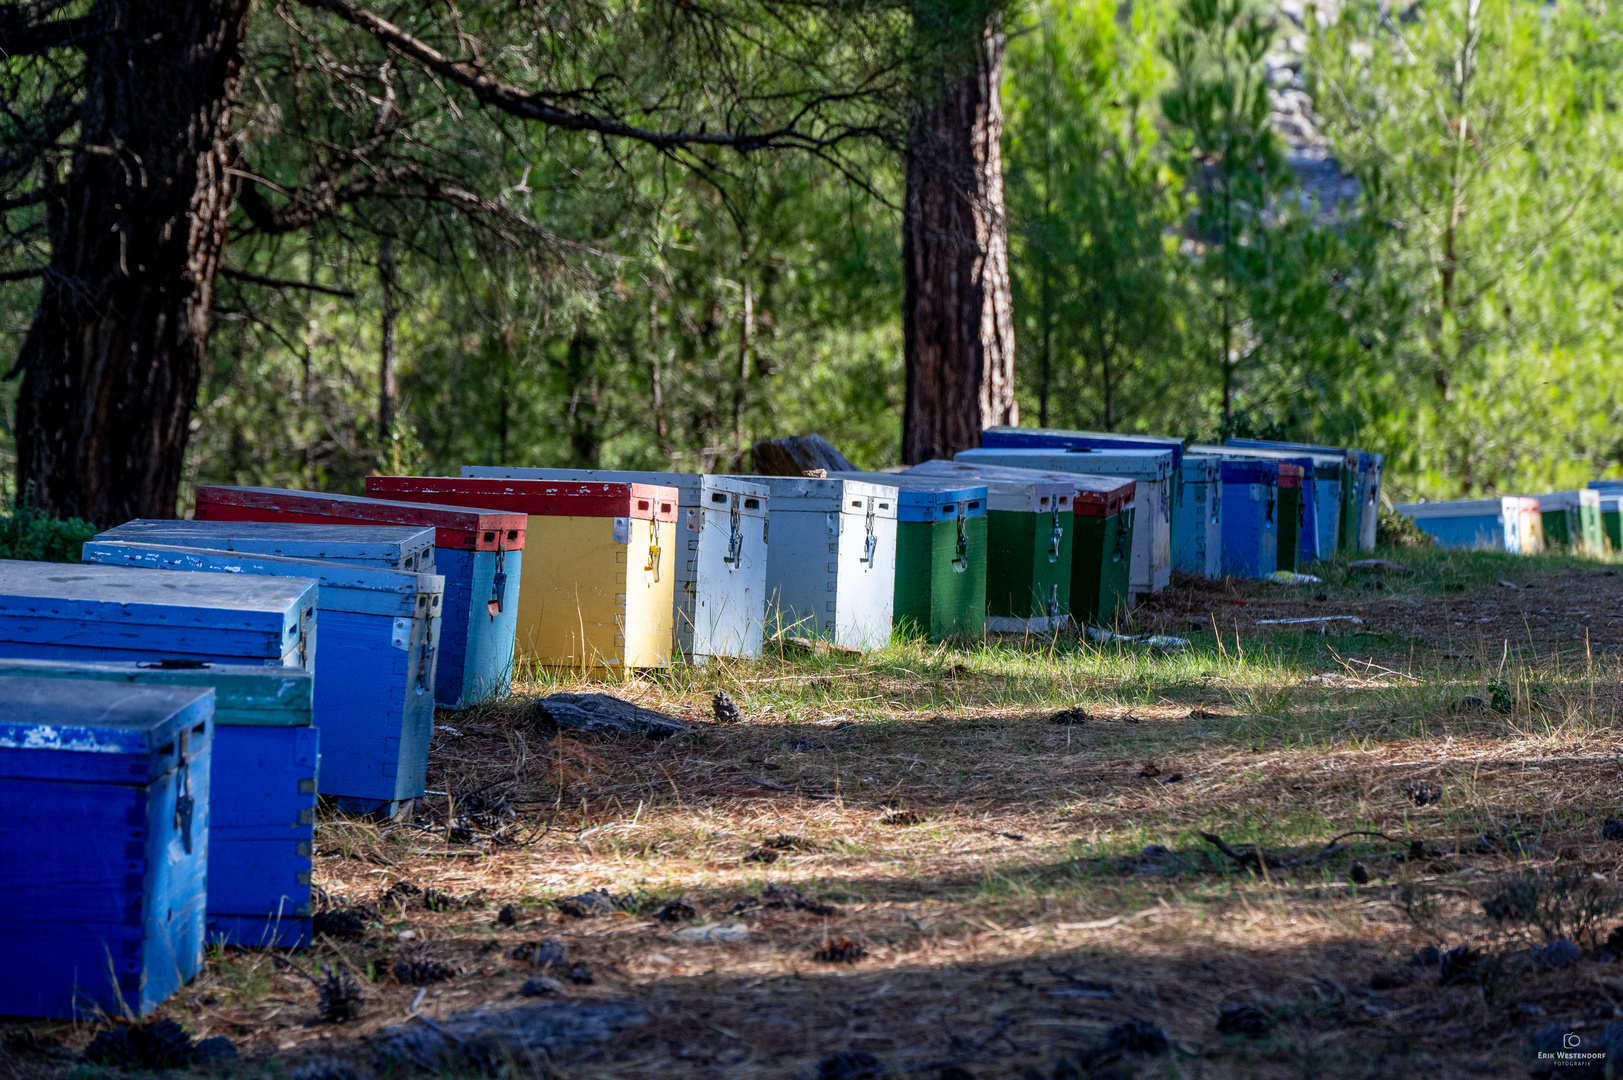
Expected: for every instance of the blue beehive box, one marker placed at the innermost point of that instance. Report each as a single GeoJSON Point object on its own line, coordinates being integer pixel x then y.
{"type": "Point", "coordinates": [54, 611]}
{"type": "Point", "coordinates": [392, 547]}
{"type": "Point", "coordinates": [262, 819]}
{"type": "Point", "coordinates": [479, 552]}
{"type": "Point", "coordinates": [1501, 524]}
{"type": "Point", "coordinates": [1312, 544]}
{"type": "Point", "coordinates": [104, 839]}
{"type": "Point", "coordinates": [374, 690]}
{"type": "Point", "coordinates": [1364, 483]}
{"type": "Point", "coordinates": [1250, 525]}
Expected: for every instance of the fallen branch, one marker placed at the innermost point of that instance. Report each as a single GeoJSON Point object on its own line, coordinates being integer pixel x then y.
{"type": "Point", "coordinates": [798, 789]}
{"type": "Point", "coordinates": [1241, 858]}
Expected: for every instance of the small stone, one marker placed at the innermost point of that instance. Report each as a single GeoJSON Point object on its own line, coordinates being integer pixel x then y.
{"type": "Point", "coordinates": [508, 916]}
{"type": "Point", "coordinates": [543, 952]}
{"type": "Point", "coordinates": [580, 973]}
{"type": "Point", "coordinates": [1155, 853]}
{"type": "Point", "coordinates": [590, 905]}
{"type": "Point", "coordinates": [1359, 874]}
{"type": "Point", "coordinates": [675, 910]}
{"type": "Point", "coordinates": [543, 986]}
{"type": "Point", "coordinates": [1561, 953]}
{"type": "Point", "coordinates": [1612, 829]}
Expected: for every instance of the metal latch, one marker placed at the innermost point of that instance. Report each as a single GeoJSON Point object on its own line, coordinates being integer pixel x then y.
{"type": "Point", "coordinates": [871, 544]}
{"type": "Point", "coordinates": [1053, 602]}
{"type": "Point", "coordinates": [498, 583]}
{"type": "Point", "coordinates": [961, 562]}
{"type": "Point", "coordinates": [735, 539]}
{"type": "Point", "coordinates": [653, 548]}
{"type": "Point", "coordinates": [184, 803]}
{"type": "Point", "coordinates": [1055, 540]}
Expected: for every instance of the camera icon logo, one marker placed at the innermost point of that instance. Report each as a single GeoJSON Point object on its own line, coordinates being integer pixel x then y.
{"type": "Point", "coordinates": [1570, 1041]}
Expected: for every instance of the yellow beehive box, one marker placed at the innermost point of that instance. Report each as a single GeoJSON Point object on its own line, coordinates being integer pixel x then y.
{"type": "Point", "coordinates": [596, 590]}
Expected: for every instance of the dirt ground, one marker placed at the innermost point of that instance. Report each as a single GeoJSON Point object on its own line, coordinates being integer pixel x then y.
{"type": "Point", "coordinates": [907, 864]}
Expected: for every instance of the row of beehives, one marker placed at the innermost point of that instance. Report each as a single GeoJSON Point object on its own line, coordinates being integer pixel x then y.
{"type": "Point", "coordinates": [1586, 520]}
{"type": "Point", "coordinates": [128, 686]}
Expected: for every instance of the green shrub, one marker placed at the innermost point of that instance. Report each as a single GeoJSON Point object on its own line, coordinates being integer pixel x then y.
{"type": "Point", "coordinates": [27, 534]}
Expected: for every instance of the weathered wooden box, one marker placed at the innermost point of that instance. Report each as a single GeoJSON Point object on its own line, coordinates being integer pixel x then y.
{"type": "Point", "coordinates": [1197, 536]}
{"type": "Point", "coordinates": [831, 563]}
{"type": "Point", "coordinates": [393, 547]}
{"type": "Point", "coordinates": [262, 817]}
{"type": "Point", "coordinates": [1151, 469]}
{"type": "Point", "coordinates": [1503, 524]}
{"type": "Point", "coordinates": [478, 552]}
{"type": "Point", "coordinates": [720, 593]}
{"type": "Point", "coordinates": [53, 611]}
{"type": "Point", "coordinates": [1030, 531]}
{"type": "Point", "coordinates": [601, 599]}
{"type": "Point", "coordinates": [941, 543]}
{"type": "Point", "coordinates": [374, 688]}
{"type": "Point", "coordinates": [104, 844]}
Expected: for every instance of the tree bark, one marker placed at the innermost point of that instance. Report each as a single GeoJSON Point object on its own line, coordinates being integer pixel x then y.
{"type": "Point", "coordinates": [113, 358]}
{"type": "Point", "coordinates": [957, 310]}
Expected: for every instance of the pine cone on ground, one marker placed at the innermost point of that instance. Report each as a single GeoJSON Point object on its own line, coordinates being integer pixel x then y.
{"type": "Point", "coordinates": [840, 950]}
{"type": "Point", "coordinates": [725, 709]}
{"type": "Point", "coordinates": [113, 1046]}
{"type": "Point", "coordinates": [340, 996]}
{"type": "Point", "coordinates": [342, 924]}
{"type": "Point", "coordinates": [167, 1046]}
{"type": "Point", "coordinates": [421, 972]}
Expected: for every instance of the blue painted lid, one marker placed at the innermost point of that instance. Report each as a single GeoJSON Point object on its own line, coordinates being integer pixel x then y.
{"type": "Point", "coordinates": [86, 593]}
{"type": "Point", "coordinates": [345, 586]}
{"type": "Point", "coordinates": [1008, 437]}
{"type": "Point", "coordinates": [244, 694]}
{"type": "Point", "coordinates": [397, 546]}
{"type": "Point", "coordinates": [1148, 464]}
{"type": "Point", "coordinates": [158, 726]}
{"type": "Point", "coordinates": [926, 498]}
{"type": "Point", "coordinates": [1250, 471]}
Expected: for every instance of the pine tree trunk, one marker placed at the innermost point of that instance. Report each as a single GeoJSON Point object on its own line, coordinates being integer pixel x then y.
{"type": "Point", "coordinates": [957, 308]}
{"type": "Point", "coordinates": [112, 361]}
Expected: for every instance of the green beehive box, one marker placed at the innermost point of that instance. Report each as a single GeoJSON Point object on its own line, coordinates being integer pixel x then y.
{"type": "Point", "coordinates": [940, 554]}
{"type": "Point", "coordinates": [1611, 518]}
{"type": "Point", "coordinates": [1290, 515]}
{"type": "Point", "coordinates": [1572, 519]}
{"type": "Point", "coordinates": [1101, 554]}
{"type": "Point", "coordinates": [1103, 521]}
{"type": "Point", "coordinates": [1030, 531]}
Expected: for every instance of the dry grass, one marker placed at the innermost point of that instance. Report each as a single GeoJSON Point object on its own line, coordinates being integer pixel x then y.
{"type": "Point", "coordinates": [998, 867]}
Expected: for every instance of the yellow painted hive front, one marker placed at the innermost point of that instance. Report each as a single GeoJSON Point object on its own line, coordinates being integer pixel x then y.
{"type": "Point", "coordinates": [596, 595]}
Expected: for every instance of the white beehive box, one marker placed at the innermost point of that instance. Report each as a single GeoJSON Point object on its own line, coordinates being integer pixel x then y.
{"type": "Point", "coordinates": [1151, 468]}
{"type": "Point", "coordinates": [721, 566]}
{"type": "Point", "coordinates": [831, 567]}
